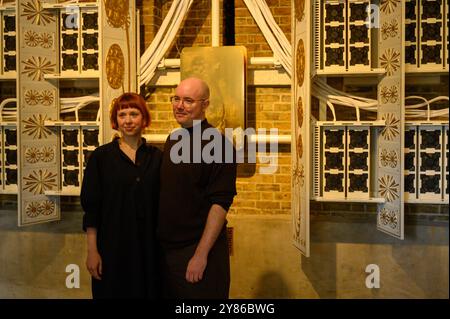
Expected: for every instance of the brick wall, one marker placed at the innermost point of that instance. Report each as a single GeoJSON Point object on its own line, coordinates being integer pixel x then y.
{"type": "Point", "coordinates": [248, 33]}
{"type": "Point", "coordinates": [150, 20]}
{"type": "Point", "coordinates": [266, 107]}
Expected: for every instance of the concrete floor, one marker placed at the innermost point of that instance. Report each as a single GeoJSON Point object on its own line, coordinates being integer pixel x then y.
{"type": "Point", "coordinates": [33, 259]}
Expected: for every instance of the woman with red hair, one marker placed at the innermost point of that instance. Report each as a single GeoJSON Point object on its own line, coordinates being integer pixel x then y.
{"type": "Point", "coordinates": [119, 210]}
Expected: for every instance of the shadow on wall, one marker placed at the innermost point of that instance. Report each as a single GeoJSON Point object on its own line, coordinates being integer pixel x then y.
{"type": "Point", "coordinates": [321, 269]}
{"type": "Point", "coordinates": [34, 258]}
{"type": "Point", "coordinates": [416, 267]}
{"type": "Point", "coordinates": [272, 285]}
{"type": "Point", "coordinates": [425, 244]}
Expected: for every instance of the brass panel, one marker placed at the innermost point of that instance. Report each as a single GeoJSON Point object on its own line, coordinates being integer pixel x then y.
{"type": "Point", "coordinates": [224, 69]}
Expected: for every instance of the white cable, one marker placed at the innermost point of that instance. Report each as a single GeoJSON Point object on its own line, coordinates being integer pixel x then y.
{"type": "Point", "coordinates": [274, 36]}
{"type": "Point", "coordinates": [330, 105]}
{"type": "Point", "coordinates": [166, 41]}
{"type": "Point", "coordinates": [331, 97]}
{"type": "Point", "coordinates": [413, 111]}
{"type": "Point", "coordinates": [150, 60]}
{"type": "Point", "coordinates": [163, 39]}
{"type": "Point", "coordinates": [280, 37]}
{"type": "Point", "coordinates": [8, 114]}
{"type": "Point", "coordinates": [74, 104]}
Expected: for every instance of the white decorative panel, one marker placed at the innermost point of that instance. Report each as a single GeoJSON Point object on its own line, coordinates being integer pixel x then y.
{"type": "Point", "coordinates": [118, 55]}
{"type": "Point", "coordinates": [300, 119]}
{"type": "Point", "coordinates": [37, 57]}
{"type": "Point", "coordinates": [390, 178]}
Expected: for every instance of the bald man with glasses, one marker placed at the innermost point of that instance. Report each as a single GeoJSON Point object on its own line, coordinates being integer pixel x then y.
{"type": "Point", "coordinates": [194, 200]}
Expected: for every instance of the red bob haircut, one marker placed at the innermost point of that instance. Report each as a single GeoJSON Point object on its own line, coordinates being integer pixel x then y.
{"type": "Point", "coordinates": [129, 101]}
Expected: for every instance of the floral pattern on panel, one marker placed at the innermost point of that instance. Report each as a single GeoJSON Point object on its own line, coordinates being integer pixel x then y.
{"type": "Point", "coordinates": [35, 208]}
{"type": "Point", "coordinates": [389, 6]}
{"type": "Point", "coordinates": [46, 97]}
{"type": "Point", "coordinates": [47, 207]}
{"type": "Point", "coordinates": [47, 154]}
{"type": "Point", "coordinates": [117, 13]}
{"type": "Point", "coordinates": [36, 68]}
{"type": "Point", "coordinates": [115, 66]}
{"type": "Point", "coordinates": [389, 29]}
{"type": "Point", "coordinates": [39, 181]}
{"type": "Point", "coordinates": [31, 38]}
{"type": "Point", "coordinates": [388, 217]}
{"type": "Point", "coordinates": [35, 127]}
{"type": "Point", "coordinates": [300, 112]}
{"type": "Point", "coordinates": [388, 188]}
{"type": "Point", "coordinates": [300, 62]}
{"type": "Point", "coordinates": [32, 97]}
{"type": "Point", "coordinates": [389, 158]}
{"type": "Point", "coordinates": [32, 209]}
{"type": "Point", "coordinates": [46, 40]}
{"type": "Point", "coordinates": [299, 146]}
{"type": "Point", "coordinates": [389, 94]}
{"type": "Point", "coordinates": [34, 11]}
{"type": "Point", "coordinates": [32, 155]}
{"type": "Point", "coordinates": [299, 9]}
{"type": "Point", "coordinates": [390, 61]}
{"type": "Point", "coordinates": [391, 129]}
{"type": "Point", "coordinates": [298, 175]}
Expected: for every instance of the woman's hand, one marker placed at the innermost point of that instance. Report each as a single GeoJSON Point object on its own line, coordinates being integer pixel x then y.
{"type": "Point", "coordinates": [94, 264]}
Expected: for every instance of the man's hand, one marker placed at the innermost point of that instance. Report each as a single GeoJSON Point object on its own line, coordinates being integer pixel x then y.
{"type": "Point", "coordinates": [195, 268]}
{"type": "Point", "coordinates": [94, 264]}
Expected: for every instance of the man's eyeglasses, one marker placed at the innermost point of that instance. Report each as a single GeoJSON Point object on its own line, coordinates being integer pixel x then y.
{"type": "Point", "coordinates": [186, 100]}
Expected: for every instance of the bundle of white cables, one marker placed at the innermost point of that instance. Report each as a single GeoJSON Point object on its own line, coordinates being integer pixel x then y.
{"type": "Point", "coordinates": [163, 39]}
{"type": "Point", "coordinates": [413, 111]}
{"type": "Point", "coordinates": [275, 37]}
{"type": "Point", "coordinates": [331, 97]}
{"type": "Point", "coordinates": [74, 104]}
{"type": "Point", "coordinates": [8, 114]}
{"type": "Point", "coordinates": [68, 104]}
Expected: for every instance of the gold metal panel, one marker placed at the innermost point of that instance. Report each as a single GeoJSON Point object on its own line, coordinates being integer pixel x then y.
{"type": "Point", "coordinates": [224, 69]}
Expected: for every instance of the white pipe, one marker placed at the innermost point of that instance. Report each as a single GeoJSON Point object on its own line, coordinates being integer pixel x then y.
{"type": "Point", "coordinates": [280, 139]}
{"type": "Point", "coordinates": [215, 22]}
{"type": "Point", "coordinates": [169, 64]}
{"type": "Point", "coordinates": [255, 138]}
{"type": "Point", "coordinates": [175, 63]}
{"type": "Point", "coordinates": [265, 61]}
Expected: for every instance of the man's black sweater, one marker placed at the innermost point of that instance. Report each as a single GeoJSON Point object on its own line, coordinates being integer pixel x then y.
{"type": "Point", "coordinates": [188, 190]}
